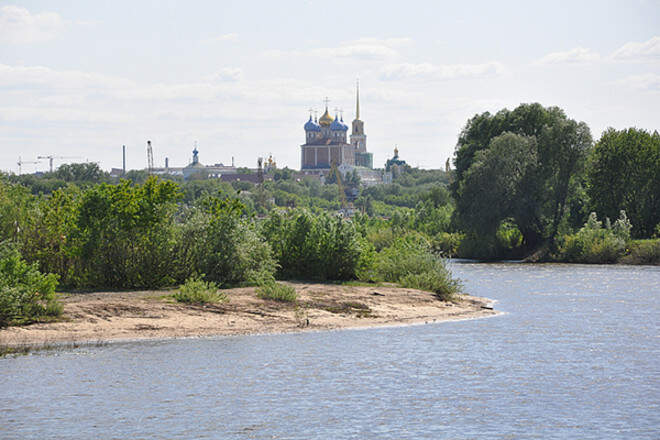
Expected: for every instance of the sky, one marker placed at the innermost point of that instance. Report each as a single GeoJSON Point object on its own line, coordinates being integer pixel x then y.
{"type": "Point", "coordinates": [79, 79]}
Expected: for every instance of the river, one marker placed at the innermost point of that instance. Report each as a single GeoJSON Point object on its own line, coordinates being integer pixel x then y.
{"type": "Point", "coordinates": [575, 355]}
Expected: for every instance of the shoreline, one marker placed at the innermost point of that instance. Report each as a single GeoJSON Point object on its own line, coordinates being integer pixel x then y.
{"type": "Point", "coordinates": [105, 317]}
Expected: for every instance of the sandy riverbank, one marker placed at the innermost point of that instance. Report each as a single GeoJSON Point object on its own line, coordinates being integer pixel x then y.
{"type": "Point", "coordinates": [108, 316]}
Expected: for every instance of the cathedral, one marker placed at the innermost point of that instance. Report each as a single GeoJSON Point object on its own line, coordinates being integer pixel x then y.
{"type": "Point", "coordinates": [326, 144]}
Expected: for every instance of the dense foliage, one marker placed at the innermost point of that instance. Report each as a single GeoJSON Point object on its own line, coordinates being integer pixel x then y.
{"type": "Point", "coordinates": [624, 173]}
{"type": "Point", "coordinates": [218, 240]}
{"type": "Point", "coordinates": [522, 165]}
{"type": "Point", "coordinates": [595, 242]}
{"type": "Point", "coordinates": [26, 295]}
{"type": "Point", "coordinates": [314, 247]}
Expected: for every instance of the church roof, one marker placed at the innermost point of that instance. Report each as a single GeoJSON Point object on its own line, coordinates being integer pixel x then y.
{"type": "Point", "coordinates": [311, 125]}
{"type": "Point", "coordinates": [325, 119]}
{"type": "Point", "coordinates": [337, 125]}
{"type": "Point", "coordinates": [342, 123]}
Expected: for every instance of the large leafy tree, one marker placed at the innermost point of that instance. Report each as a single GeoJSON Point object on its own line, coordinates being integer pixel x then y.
{"type": "Point", "coordinates": [519, 164]}
{"type": "Point", "coordinates": [624, 173]}
{"type": "Point", "coordinates": [501, 179]}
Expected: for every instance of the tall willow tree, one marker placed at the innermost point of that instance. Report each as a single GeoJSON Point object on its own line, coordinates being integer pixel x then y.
{"type": "Point", "coordinates": [521, 165]}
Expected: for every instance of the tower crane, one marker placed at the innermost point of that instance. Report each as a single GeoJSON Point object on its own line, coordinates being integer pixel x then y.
{"type": "Point", "coordinates": [50, 159]}
{"type": "Point", "coordinates": [22, 162]}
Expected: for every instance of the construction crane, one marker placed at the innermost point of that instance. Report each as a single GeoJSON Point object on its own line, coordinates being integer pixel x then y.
{"type": "Point", "coordinates": [150, 157]}
{"type": "Point", "coordinates": [50, 159]}
{"type": "Point", "coordinates": [22, 162]}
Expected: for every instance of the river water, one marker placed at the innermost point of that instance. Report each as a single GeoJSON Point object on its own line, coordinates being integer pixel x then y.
{"type": "Point", "coordinates": [576, 355]}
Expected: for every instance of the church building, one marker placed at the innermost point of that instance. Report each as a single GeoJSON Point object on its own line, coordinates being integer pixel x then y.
{"type": "Point", "coordinates": [326, 142]}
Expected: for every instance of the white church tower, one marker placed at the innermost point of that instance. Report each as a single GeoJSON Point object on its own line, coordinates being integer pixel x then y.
{"type": "Point", "coordinates": [358, 138]}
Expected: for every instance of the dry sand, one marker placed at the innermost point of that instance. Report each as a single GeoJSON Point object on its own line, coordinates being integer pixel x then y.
{"type": "Point", "coordinates": [110, 316]}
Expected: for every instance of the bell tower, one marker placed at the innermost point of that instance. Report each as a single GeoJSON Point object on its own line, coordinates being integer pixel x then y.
{"type": "Point", "coordinates": [358, 138]}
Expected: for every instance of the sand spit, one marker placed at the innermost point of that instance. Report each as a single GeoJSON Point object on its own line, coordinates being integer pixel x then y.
{"type": "Point", "coordinates": [110, 316]}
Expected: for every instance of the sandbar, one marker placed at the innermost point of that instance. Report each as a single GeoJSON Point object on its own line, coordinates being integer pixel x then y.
{"type": "Point", "coordinates": [112, 316]}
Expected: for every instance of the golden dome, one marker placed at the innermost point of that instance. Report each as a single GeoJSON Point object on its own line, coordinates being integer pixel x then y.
{"type": "Point", "coordinates": [326, 119]}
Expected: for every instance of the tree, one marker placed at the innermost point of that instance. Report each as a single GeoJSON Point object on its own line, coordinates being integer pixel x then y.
{"type": "Point", "coordinates": [80, 172]}
{"type": "Point", "coordinates": [532, 180]}
{"type": "Point", "coordinates": [624, 174]}
{"type": "Point", "coordinates": [498, 185]}
{"type": "Point", "coordinates": [564, 148]}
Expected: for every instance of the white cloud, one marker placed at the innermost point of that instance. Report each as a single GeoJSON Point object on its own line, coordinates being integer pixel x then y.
{"type": "Point", "coordinates": [18, 25]}
{"type": "Point", "coordinates": [222, 38]}
{"type": "Point", "coordinates": [227, 74]}
{"type": "Point", "coordinates": [20, 77]}
{"type": "Point", "coordinates": [634, 51]}
{"type": "Point", "coordinates": [646, 82]}
{"type": "Point", "coordinates": [430, 71]}
{"type": "Point", "coordinates": [573, 56]}
{"type": "Point", "coordinates": [360, 49]}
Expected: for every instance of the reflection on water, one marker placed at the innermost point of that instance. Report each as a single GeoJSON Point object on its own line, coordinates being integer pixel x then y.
{"type": "Point", "coordinates": [576, 356]}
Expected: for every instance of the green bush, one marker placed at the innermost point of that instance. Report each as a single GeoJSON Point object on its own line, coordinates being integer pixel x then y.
{"type": "Point", "coordinates": [277, 292]}
{"type": "Point", "coordinates": [124, 235]}
{"type": "Point", "coordinates": [310, 246]}
{"type": "Point", "coordinates": [197, 291]}
{"type": "Point", "coordinates": [410, 263]}
{"type": "Point", "coordinates": [26, 295]}
{"type": "Point", "coordinates": [381, 237]}
{"type": "Point", "coordinates": [595, 243]}
{"type": "Point", "coordinates": [447, 243]}
{"type": "Point", "coordinates": [643, 252]}
{"type": "Point", "coordinates": [220, 242]}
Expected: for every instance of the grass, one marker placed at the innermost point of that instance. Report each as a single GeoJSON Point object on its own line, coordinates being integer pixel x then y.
{"type": "Point", "coordinates": [197, 291]}
{"type": "Point", "coordinates": [437, 281]}
{"type": "Point", "coordinates": [277, 292]}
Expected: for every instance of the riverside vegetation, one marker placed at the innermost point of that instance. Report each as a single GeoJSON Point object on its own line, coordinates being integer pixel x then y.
{"type": "Point", "coordinates": [526, 183]}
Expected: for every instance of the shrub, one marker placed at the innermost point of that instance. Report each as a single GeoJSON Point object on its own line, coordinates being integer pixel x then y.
{"type": "Point", "coordinates": [277, 291]}
{"type": "Point", "coordinates": [124, 234]}
{"type": "Point", "coordinates": [410, 263]}
{"type": "Point", "coordinates": [220, 242]}
{"type": "Point", "coordinates": [26, 295]}
{"type": "Point", "coordinates": [309, 246]}
{"type": "Point", "coordinates": [447, 243]}
{"type": "Point", "coordinates": [197, 291]}
{"type": "Point", "coordinates": [643, 252]}
{"type": "Point", "coordinates": [381, 237]}
{"type": "Point", "coordinates": [594, 243]}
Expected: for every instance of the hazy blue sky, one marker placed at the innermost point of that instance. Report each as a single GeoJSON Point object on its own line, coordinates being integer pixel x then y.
{"type": "Point", "coordinates": [81, 78]}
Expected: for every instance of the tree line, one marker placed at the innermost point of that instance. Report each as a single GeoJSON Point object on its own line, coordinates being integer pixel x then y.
{"type": "Point", "coordinates": [527, 183]}
{"type": "Point", "coordinates": [539, 170]}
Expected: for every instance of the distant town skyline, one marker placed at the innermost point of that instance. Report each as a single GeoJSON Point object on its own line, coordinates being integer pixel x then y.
{"type": "Point", "coordinates": [80, 79]}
